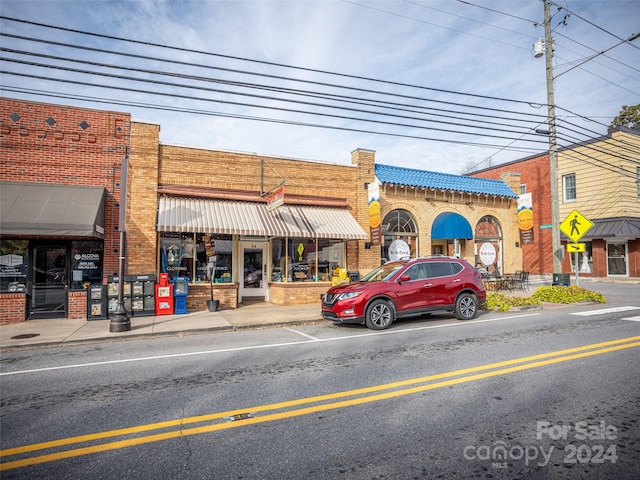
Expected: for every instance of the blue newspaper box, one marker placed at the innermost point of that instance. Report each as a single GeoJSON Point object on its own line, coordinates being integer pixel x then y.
{"type": "Point", "coordinates": [180, 292]}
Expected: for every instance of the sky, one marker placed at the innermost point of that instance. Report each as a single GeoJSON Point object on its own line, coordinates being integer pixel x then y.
{"type": "Point", "coordinates": [433, 85]}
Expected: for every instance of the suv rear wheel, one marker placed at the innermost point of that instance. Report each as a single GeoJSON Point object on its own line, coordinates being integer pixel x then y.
{"type": "Point", "coordinates": [466, 306]}
{"type": "Point", "coordinates": [380, 315]}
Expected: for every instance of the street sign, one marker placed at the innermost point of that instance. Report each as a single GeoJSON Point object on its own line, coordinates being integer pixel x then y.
{"type": "Point", "coordinates": [575, 247]}
{"type": "Point", "coordinates": [546, 225]}
{"type": "Point", "coordinates": [575, 226]}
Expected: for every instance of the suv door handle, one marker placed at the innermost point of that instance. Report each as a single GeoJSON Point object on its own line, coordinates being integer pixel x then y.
{"type": "Point", "coordinates": [428, 285]}
{"type": "Point", "coordinates": [457, 280]}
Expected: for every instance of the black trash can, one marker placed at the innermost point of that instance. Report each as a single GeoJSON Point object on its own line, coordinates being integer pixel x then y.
{"type": "Point", "coordinates": [561, 279]}
{"type": "Point", "coordinates": [354, 276]}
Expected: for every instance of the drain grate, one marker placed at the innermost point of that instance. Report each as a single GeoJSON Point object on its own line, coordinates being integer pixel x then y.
{"type": "Point", "coordinates": [25, 335]}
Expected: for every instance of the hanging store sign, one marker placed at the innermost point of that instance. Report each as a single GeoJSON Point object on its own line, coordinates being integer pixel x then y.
{"type": "Point", "coordinates": [374, 213]}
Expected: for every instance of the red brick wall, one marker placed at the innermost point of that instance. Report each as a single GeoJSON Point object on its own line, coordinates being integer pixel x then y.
{"type": "Point", "coordinates": [13, 308]}
{"type": "Point", "coordinates": [534, 172]}
{"type": "Point", "coordinates": [77, 304]}
{"type": "Point", "coordinates": [31, 150]}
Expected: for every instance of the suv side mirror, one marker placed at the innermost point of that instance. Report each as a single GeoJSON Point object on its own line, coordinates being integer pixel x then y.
{"type": "Point", "coordinates": [405, 278]}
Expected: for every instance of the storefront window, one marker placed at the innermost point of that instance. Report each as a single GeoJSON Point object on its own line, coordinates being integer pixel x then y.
{"type": "Point", "coordinates": [213, 258]}
{"type": "Point", "coordinates": [86, 263]}
{"type": "Point", "coordinates": [488, 245]}
{"type": "Point", "coordinates": [199, 257]}
{"type": "Point", "coordinates": [400, 236]}
{"type": "Point", "coordinates": [585, 259]}
{"type": "Point", "coordinates": [13, 265]}
{"type": "Point", "coordinates": [305, 259]}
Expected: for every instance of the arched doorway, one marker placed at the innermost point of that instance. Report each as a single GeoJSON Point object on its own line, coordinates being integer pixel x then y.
{"type": "Point", "coordinates": [488, 246]}
{"type": "Point", "coordinates": [400, 233]}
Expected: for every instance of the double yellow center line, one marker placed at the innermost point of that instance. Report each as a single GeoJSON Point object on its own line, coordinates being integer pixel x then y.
{"type": "Point", "coordinates": [128, 437]}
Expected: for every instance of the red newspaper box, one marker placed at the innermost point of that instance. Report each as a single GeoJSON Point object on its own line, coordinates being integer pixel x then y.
{"type": "Point", "coordinates": [164, 296]}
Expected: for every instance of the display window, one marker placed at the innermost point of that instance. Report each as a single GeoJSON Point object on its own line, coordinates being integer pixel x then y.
{"type": "Point", "coordinates": [214, 258]}
{"type": "Point", "coordinates": [488, 245]}
{"type": "Point", "coordinates": [199, 257]}
{"type": "Point", "coordinates": [86, 263]}
{"type": "Point", "coordinates": [305, 259]}
{"type": "Point", "coordinates": [400, 236]}
{"type": "Point", "coordinates": [13, 265]}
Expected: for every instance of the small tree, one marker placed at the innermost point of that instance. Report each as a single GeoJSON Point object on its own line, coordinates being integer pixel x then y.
{"type": "Point", "coordinates": [628, 117]}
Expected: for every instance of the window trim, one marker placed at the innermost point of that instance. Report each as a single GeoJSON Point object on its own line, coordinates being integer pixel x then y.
{"type": "Point", "coordinates": [565, 197]}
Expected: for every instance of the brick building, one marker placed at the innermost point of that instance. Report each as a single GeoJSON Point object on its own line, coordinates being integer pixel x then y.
{"type": "Point", "coordinates": [205, 215]}
{"type": "Point", "coordinates": [600, 179]}
{"type": "Point", "coordinates": [59, 195]}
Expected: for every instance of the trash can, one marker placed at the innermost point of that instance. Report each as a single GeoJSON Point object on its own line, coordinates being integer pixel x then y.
{"type": "Point", "coordinates": [354, 276]}
{"type": "Point", "coordinates": [561, 279]}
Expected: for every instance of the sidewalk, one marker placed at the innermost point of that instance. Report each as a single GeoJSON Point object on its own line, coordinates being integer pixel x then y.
{"type": "Point", "coordinates": [56, 332]}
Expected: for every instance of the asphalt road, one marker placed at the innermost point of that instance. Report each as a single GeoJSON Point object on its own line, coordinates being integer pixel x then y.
{"type": "Point", "coordinates": [530, 394]}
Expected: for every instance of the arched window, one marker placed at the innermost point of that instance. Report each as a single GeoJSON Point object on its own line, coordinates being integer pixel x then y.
{"type": "Point", "coordinates": [488, 245]}
{"type": "Point", "coordinates": [400, 233]}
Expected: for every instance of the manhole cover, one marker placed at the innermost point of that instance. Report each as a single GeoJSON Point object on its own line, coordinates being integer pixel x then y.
{"type": "Point", "coordinates": [25, 335]}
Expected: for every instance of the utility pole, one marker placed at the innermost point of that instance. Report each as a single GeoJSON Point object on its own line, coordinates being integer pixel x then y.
{"type": "Point", "coordinates": [556, 246]}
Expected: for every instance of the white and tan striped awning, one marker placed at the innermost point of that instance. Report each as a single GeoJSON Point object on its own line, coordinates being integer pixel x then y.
{"type": "Point", "coordinates": [245, 218]}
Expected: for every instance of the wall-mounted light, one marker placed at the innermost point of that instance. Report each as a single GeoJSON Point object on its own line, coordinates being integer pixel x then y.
{"type": "Point", "coordinates": [366, 186]}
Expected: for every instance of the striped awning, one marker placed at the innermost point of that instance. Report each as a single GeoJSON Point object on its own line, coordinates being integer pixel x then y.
{"type": "Point", "coordinates": [245, 218]}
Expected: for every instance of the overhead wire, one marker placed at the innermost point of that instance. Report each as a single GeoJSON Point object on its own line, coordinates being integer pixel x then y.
{"type": "Point", "coordinates": [323, 95]}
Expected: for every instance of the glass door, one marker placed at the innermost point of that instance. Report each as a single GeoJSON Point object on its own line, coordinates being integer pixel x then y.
{"type": "Point", "coordinates": [617, 259]}
{"type": "Point", "coordinates": [253, 283]}
{"type": "Point", "coordinates": [49, 281]}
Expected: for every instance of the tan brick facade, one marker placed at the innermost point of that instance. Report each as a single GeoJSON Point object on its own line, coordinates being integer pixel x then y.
{"type": "Point", "coordinates": [157, 169]}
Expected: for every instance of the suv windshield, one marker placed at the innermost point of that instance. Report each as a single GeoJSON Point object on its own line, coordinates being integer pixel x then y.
{"type": "Point", "coordinates": [383, 272]}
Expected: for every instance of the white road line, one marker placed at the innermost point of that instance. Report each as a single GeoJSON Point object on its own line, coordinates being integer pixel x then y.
{"type": "Point", "coordinates": [633, 319]}
{"type": "Point", "coordinates": [268, 345]}
{"type": "Point", "coordinates": [300, 333]}
{"type": "Point", "coordinates": [605, 310]}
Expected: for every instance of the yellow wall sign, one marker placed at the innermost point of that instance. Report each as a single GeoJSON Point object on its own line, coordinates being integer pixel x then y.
{"type": "Point", "coordinates": [525, 219]}
{"type": "Point", "coordinates": [575, 247]}
{"type": "Point", "coordinates": [575, 226]}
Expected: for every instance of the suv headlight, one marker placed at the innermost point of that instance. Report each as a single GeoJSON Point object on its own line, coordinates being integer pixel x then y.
{"type": "Point", "coordinates": [349, 295]}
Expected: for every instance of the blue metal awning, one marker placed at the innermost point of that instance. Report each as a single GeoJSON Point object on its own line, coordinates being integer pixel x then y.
{"type": "Point", "coordinates": [450, 225]}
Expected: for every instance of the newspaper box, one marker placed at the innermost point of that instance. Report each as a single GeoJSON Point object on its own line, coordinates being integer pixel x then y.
{"type": "Point", "coordinates": [164, 296]}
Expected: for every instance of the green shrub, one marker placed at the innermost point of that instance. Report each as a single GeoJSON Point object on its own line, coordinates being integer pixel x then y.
{"type": "Point", "coordinates": [554, 294]}
{"type": "Point", "coordinates": [572, 294]}
{"type": "Point", "coordinates": [503, 303]}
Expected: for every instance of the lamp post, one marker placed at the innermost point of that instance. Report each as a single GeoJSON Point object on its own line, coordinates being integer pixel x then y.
{"type": "Point", "coordinates": [556, 245]}
{"type": "Point", "coordinates": [120, 320]}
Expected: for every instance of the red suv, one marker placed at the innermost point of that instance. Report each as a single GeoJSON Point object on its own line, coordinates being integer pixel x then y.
{"type": "Point", "coordinates": [405, 289]}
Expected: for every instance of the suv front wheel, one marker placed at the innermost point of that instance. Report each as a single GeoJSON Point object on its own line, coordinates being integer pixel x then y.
{"type": "Point", "coordinates": [380, 315]}
{"type": "Point", "coordinates": [466, 306]}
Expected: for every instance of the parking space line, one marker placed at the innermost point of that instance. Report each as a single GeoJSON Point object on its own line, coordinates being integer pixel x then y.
{"type": "Point", "coordinates": [603, 311]}
{"type": "Point", "coordinates": [301, 333]}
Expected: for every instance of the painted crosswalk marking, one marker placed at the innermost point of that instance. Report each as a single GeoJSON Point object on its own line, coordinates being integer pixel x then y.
{"type": "Point", "coordinates": [603, 311]}
{"type": "Point", "coordinates": [633, 319]}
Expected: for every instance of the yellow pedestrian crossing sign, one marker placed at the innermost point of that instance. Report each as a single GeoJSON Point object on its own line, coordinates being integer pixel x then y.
{"type": "Point", "coordinates": [575, 247]}
{"type": "Point", "coordinates": [575, 226]}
